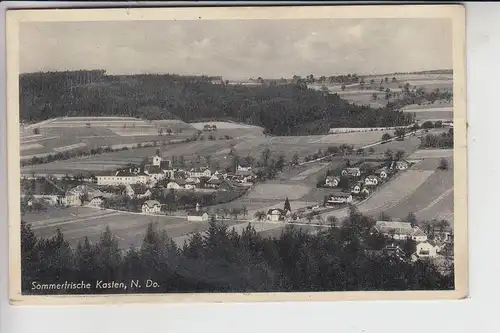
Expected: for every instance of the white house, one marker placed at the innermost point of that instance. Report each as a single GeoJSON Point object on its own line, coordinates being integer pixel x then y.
{"type": "Point", "coordinates": [351, 172]}
{"type": "Point", "coordinates": [243, 167]}
{"type": "Point", "coordinates": [96, 201]}
{"type": "Point", "coordinates": [360, 188]}
{"type": "Point", "coordinates": [176, 184]}
{"type": "Point", "coordinates": [151, 207]}
{"type": "Point", "coordinates": [71, 200]}
{"type": "Point", "coordinates": [400, 165]}
{"type": "Point", "coordinates": [372, 180]}
{"type": "Point", "coordinates": [218, 175]}
{"type": "Point", "coordinates": [193, 180]}
{"type": "Point", "coordinates": [332, 181]}
{"type": "Point", "coordinates": [428, 249]}
{"type": "Point", "coordinates": [197, 215]}
{"type": "Point", "coordinates": [382, 173]}
{"type": "Point", "coordinates": [200, 172]}
{"type": "Point", "coordinates": [275, 214]}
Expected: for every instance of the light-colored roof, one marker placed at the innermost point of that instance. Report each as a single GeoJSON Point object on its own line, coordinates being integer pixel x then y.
{"type": "Point", "coordinates": [270, 211]}
{"type": "Point", "coordinates": [151, 203]}
{"type": "Point", "coordinates": [398, 227]}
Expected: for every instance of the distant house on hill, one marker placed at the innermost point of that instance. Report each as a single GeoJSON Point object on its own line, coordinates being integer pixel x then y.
{"type": "Point", "coordinates": [197, 214]}
{"type": "Point", "coordinates": [360, 188]}
{"type": "Point", "coordinates": [351, 172]}
{"type": "Point", "coordinates": [151, 207]}
{"type": "Point", "coordinates": [399, 231]}
{"type": "Point", "coordinates": [275, 214]}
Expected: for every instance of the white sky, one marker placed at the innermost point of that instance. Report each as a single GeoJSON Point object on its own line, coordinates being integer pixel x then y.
{"type": "Point", "coordinates": [239, 49]}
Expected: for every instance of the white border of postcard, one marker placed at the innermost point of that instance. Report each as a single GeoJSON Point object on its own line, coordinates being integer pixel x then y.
{"type": "Point", "coordinates": [456, 13]}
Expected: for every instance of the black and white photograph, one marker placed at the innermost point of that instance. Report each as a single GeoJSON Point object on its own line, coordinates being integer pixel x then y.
{"type": "Point", "coordinates": [237, 151]}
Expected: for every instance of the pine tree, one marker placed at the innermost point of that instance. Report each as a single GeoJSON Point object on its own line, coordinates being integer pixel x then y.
{"type": "Point", "coordinates": [287, 207]}
{"type": "Point", "coordinates": [108, 255]}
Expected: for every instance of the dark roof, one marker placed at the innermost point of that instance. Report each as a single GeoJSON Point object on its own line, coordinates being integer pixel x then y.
{"type": "Point", "coordinates": [215, 181]}
{"type": "Point", "coordinates": [178, 181]}
{"type": "Point", "coordinates": [151, 203]}
{"type": "Point", "coordinates": [164, 165]}
{"type": "Point", "coordinates": [139, 188]}
{"type": "Point", "coordinates": [340, 194]}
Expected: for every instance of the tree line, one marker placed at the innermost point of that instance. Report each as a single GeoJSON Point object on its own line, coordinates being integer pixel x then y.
{"type": "Point", "coordinates": [222, 260]}
{"type": "Point", "coordinates": [288, 109]}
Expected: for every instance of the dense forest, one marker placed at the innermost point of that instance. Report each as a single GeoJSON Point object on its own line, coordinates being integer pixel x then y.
{"type": "Point", "coordinates": [282, 109]}
{"type": "Point", "coordinates": [224, 261]}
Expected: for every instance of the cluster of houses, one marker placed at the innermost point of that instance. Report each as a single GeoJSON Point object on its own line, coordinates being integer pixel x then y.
{"type": "Point", "coordinates": [201, 178]}
{"type": "Point", "coordinates": [425, 249]}
{"type": "Point", "coordinates": [209, 128]}
{"type": "Point", "coordinates": [361, 186]}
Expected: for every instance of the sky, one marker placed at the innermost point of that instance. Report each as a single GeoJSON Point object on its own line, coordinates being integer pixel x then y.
{"type": "Point", "coordinates": [239, 49]}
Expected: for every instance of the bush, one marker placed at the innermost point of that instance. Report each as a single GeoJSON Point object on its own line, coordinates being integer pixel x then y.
{"type": "Point", "coordinates": [443, 164]}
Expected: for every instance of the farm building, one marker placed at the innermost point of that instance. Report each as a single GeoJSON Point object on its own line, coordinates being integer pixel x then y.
{"type": "Point", "coordinates": [275, 214]}
{"type": "Point", "coordinates": [71, 200]}
{"type": "Point", "coordinates": [197, 214]}
{"type": "Point", "coordinates": [339, 198]}
{"type": "Point", "coordinates": [351, 172]}
{"type": "Point", "coordinates": [372, 180]}
{"type": "Point", "coordinates": [41, 189]}
{"type": "Point", "coordinates": [332, 181]}
{"type": "Point", "coordinates": [151, 207]}
{"type": "Point", "coordinates": [399, 231]}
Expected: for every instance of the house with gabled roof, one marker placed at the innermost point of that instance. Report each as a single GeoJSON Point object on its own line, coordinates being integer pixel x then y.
{"type": "Point", "coordinates": [150, 207]}
{"type": "Point", "coordinates": [398, 230]}
{"type": "Point", "coordinates": [351, 172]}
{"type": "Point", "coordinates": [176, 184]}
{"type": "Point", "coordinates": [137, 191]}
{"type": "Point", "coordinates": [275, 214]}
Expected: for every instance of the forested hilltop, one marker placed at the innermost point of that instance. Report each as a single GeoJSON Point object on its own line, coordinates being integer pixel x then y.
{"type": "Point", "coordinates": [281, 108]}
{"type": "Point", "coordinates": [223, 260]}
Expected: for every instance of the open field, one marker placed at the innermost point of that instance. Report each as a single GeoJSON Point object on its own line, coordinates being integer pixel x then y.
{"type": "Point", "coordinates": [278, 191]}
{"type": "Point", "coordinates": [65, 134]}
{"type": "Point", "coordinates": [79, 222]}
{"type": "Point", "coordinates": [433, 199]}
{"type": "Point", "coordinates": [431, 153]}
{"type": "Point", "coordinates": [431, 112]}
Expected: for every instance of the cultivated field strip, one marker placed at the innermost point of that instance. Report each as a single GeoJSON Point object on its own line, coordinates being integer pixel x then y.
{"type": "Point", "coordinates": [312, 170]}
{"type": "Point", "coordinates": [431, 153]}
{"type": "Point", "coordinates": [278, 191]}
{"type": "Point", "coordinates": [396, 190]}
